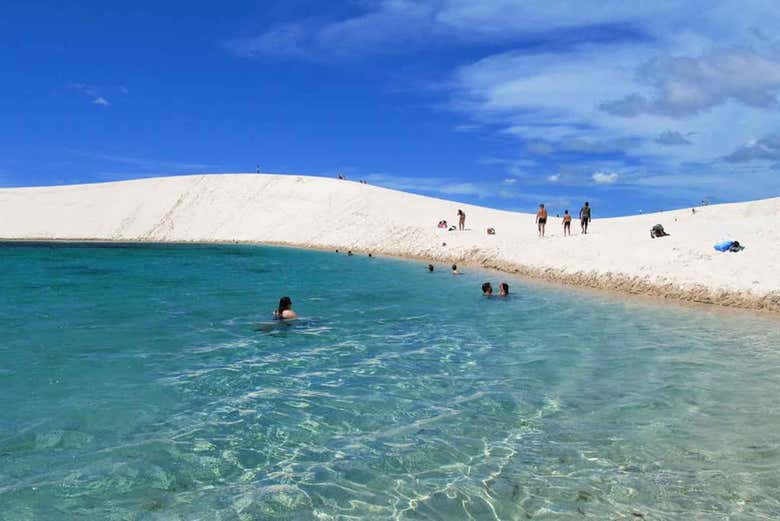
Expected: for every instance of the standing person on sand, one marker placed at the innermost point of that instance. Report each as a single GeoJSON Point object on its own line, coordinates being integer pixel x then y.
{"type": "Point", "coordinates": [541, 219]}
{"type": "Point", "coordinates": [566, 223]}
{"type": "Point", "coordinates": [461, 220]}
{"type": "Point", "coordinates": [585, 217]}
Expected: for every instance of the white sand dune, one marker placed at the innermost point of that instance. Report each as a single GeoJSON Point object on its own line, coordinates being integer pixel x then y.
{"type": "Point", "coordinates": [327, 213]}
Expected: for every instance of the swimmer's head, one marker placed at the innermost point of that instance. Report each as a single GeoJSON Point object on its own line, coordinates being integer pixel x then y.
{"type": "Point", "coordinates": [430, 267]}
{"type": "Point", "coordinates": [454, 267]}
{"type": "Point", "coordinates": [284, 304]}
{"type": "Point", "coordinates": [487, 289]}
{"type": "Point", "coordinates": [504, 288]}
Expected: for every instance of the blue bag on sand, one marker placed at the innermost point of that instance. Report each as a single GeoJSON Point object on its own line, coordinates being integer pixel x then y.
{"type": "Point", "coordinates": [723, 246]}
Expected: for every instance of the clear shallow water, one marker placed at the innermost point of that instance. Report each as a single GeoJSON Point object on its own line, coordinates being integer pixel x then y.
{"type": "Point", "coordinates": [134, 386]}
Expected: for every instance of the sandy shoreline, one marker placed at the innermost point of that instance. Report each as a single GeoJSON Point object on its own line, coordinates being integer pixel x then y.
{"type": "Point", "coordinates": [329, 214]}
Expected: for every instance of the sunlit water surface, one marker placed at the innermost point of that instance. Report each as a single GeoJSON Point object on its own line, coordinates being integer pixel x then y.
{"type": "Point", "coordinates": [136, 386]}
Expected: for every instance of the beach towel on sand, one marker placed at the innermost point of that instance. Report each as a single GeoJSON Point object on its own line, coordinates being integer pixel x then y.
{"type": "Point", "coordinates": [733, 246]}
{"type": "Point", "coordinates": [723, 246]}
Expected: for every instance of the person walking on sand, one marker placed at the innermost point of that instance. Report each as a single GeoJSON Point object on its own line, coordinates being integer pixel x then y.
{"type": "Point", "coordinates": [585, 217]}
{"type": "Point", "coordinates": [541, 219]}
{"type": "Point", "coordinates": [566, 223]}
{"type": "Point", "coordinates": [461, 220]}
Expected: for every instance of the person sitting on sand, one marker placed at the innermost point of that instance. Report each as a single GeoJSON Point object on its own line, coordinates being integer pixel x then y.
{"type": "Point", "coordinates": [491, 231]}
{"type": "Point", "coordinates": [658, 231]}
{"type": "Point", "coordinates": [503, 289]}
{"type": "Point", "coordinates": [461, 220]}
{"type": "Point", "coordinates": [541, 219]}
{"type": "Point", "coordinates": [487, 289]}
{"type": "Point", "coordinates": [585, 217]}
{"type": "Point", "coordinates": [566, 223]}
{"type": "Point", "coordinates": [442, 224]}
{"type": "Point", "coordinates": [455, 270]}
{"type": "Point", "coordinates": [285, 310]}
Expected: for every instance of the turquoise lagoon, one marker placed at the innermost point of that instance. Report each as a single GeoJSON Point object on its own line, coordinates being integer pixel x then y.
{"type": "Point", "coordinates": [144, 382]}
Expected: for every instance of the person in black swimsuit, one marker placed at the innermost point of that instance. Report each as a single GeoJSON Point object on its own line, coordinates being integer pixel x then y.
{"type": "Point", "coordinates": [541, 219]}
{"type": "Point", "coordinates": [585, 217]}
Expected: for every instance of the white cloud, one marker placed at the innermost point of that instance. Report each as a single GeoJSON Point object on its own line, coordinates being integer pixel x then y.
{"type": "Point", "coordinates": [671, 138]}
{"type": "Point", "coordinates": [91, 92]}
{"type": "Point", "coordinates": [551, 101]}
{"type": "Point", "coordinates": [392, 26]}
{"type": "Point", "coordinates": [554, 178]}
{"type": "Point", "coordinates": [689, 84]}
{"type": "Point", "coordinates": [605, 178]}
{"type": "Point", "coordinates": [711, 68]}
{"type": "Point", "coordinates": [462, 189]}
{"type": "Point", "coordinates": [767, 148]}
{"type": "Point", "coordinates": [510, 180]}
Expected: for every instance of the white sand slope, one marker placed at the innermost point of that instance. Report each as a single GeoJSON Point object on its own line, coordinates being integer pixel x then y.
{"type": "Point", "coordinates": [327, 213]}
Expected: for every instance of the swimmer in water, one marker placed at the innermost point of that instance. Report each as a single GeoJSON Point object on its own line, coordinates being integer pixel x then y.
{"type": "Point", "coordinates": [487, 289]}
{"type": "Point", "coordinates": [503, 289]}
{"type": "Point", "coordinates": [430, 268]}
{"type": "Point", "coordinates": [285, 311]}
{"type": "Point", "coordinates": [455, 270]}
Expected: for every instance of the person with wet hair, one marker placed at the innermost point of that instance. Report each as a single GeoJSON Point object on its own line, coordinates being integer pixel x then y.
{"type": "Point", "coordinates": [503, 289]}
{"type": "Point", "coordinates": [487, 289]}
{"type": "Point", "coordinates": [285, 310]}
{"type": "Point", "coordinates": [455, 270]}
{"type": "Point", "coordinates": [430, 268]}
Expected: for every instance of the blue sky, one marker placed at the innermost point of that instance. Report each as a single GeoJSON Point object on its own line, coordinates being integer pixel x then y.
{"type": "Point", "coordinates": [631, 105]}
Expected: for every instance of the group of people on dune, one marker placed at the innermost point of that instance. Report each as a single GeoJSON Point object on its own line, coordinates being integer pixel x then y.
{"type": "Point", "coordinates": [541, 221]}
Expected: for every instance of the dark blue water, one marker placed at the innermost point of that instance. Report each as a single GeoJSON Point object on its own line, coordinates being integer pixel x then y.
{"type": "Point", "coordinates": [135, 385]}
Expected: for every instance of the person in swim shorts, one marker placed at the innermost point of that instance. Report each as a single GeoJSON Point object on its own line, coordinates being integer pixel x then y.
{"type": "Point", "coordinates": [566, 223]}
{"type": "Point", "coordinates": [585, 217]}
{"type": "Point", "coordinates": [541, 219]}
